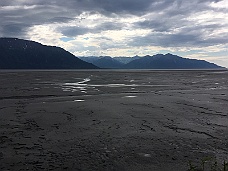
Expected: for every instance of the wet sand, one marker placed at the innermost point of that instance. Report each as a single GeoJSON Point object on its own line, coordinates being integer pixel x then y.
{"type": "Point", "coordinates": [112, 120]}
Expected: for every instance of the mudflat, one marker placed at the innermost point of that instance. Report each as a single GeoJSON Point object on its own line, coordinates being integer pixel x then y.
{"type": "Point", "coordinates": [123, 120]}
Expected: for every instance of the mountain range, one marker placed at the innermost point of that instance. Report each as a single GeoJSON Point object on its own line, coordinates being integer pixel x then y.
{"type": "Point", "coordinates": [159, 61]}
{"type": "Point", "coordinates": [23, 54]}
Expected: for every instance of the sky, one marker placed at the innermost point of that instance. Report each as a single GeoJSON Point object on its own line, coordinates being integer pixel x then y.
{"type": "Point", "coordinates": [196, 29]}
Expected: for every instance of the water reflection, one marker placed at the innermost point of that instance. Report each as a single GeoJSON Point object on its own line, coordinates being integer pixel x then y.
{"type": "Point", "coordinates": [129, 96]}
{"type": "Point", "coordinates": [79, 100]}
{"type": "Point", "coordinates": [83, 86]}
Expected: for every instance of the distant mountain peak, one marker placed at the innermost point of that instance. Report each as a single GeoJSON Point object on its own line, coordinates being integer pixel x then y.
{"type": "Point", "coordinates": [25, 54]}
{"type": "Point", "coordinates": [158, 61]}
{"type": "Point", "coordinates": [169, 61]}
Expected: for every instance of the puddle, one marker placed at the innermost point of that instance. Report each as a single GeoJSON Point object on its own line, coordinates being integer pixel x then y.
{"type": "Point", "coordinates": [80, 83]}
{"type": "Point", "coordinates": [79, 100]}
{"type": "Point", "coordinates": [217, 88]}
{"type": "Point", "coordinates": [129, 96]}
{"type": "Point", "coordinates": [145, 155]}
{"type": "Point", "coordinates": [66, 90]}
{"type": "Point", "coordinates": [84, 81]}
{"type": "Point", "coordinates": [115, 85]}
{"type": "Point", "coordinates": [83, 92]}
{"type": "Point", "coordinates": [83, 86]}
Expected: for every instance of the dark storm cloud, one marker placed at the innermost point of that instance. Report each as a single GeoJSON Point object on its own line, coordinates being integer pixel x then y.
{"type": "Point", "coordinates": [59, 20]}
{"type": "Point", "coordinates": [155, 25]}
{"type": "Point", "coordinates": [20, 18]}
{"type": "Point", "coordinates": [113, 6]}
{"type": "Point", "coordinates": [191, 37]}
{"type": "Point", "coordinates": [168, 24]}
{"type": "Point", "coordinates": [118, 6]}
{"type": "Point", "coordinates": [141, 7]}
{"type": "Point", "coordinates": [108, 26]}
{"type": "Point", "coordinates": [13, 30]}
{"type": "Point", "coordinates": [17, 16]}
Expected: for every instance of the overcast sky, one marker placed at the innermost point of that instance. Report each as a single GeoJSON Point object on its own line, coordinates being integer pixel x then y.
{"type": "Point", "coordinates": [190, 28]}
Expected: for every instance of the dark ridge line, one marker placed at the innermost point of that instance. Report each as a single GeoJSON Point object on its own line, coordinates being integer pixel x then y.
{"type": "Point", "coordinates": [226, 100]}
{"type": "Point", "coordinates": [217, 125]}
{"type": "Point", "coordinates": [213, 114]}
{"type": "Point", "coordinates": [26, 97]}
{"type": "Point", "coordinates": [190, 130]}
{"type": "Point", "coordinates": [205, 108]}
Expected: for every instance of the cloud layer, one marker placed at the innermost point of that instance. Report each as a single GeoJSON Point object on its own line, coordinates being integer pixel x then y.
{"type": "Point", "coordinates": [195, 29]}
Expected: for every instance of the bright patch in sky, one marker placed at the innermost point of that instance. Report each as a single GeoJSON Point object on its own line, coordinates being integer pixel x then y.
{"type": "Point", "coordinates": [66, 39]}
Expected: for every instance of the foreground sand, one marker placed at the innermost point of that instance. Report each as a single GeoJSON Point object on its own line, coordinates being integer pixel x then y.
{"type": "Point", "coordinates": [112, 120]}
